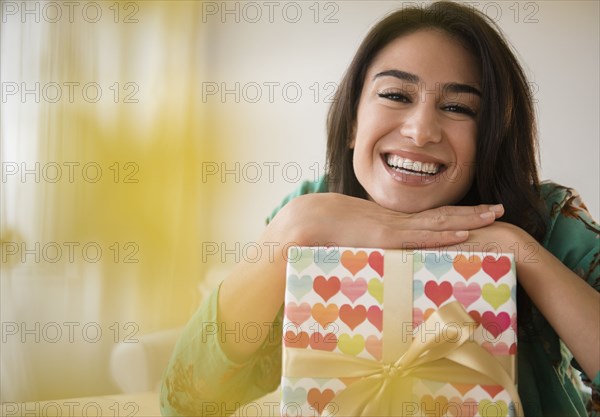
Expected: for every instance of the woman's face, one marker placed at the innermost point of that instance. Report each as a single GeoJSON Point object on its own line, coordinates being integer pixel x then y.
{"type": "Point", "coordinates": [416, 126]}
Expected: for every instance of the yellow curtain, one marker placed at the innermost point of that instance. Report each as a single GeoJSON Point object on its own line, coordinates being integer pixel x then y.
{"type": "Point", "coordinates": [103, 210]}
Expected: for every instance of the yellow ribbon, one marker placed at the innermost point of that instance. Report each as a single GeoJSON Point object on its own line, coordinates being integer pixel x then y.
{"type": "Point", "coordinates": [385, 389]}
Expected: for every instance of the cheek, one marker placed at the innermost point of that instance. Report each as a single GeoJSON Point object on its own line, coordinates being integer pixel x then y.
{"type": "Point", "coordinates": [466, 145]}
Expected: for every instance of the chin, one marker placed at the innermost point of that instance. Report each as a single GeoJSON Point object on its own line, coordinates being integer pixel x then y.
{"type": "Point", "coordinates": [408, 207]}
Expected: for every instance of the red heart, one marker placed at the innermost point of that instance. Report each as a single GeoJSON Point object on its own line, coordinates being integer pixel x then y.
{"type": "Point", "coordinates": [326, 288]}
{"type": "Point", "coordinates": [375, 316]}
{"type": "Point", "coordinates": [354, 262]}
{"type": "Point", "coordinates": [297, 314]}
{"type": "Point", "coordinates": [326, 342]}
{"type": "Point", "coordinates": [438, 293]}
{"type": "Point", "coordinates": [299, 340]}
{"type": "Point", "coordinates": [376, 262]}
{"type": "Point", "coordinates": [493, 390]}
{"type": "Point", "coordinates": [353, 316]}
{"type": "Point", "coordinates": [475, 316]}
{"type": "Point", "coordinates": [496, 268]}
{"type": "Point", "coordinates": [495, 324]}
{"type": "Point", "coordinates": [513, 349]}
{"type": "Point", "coordinates": [318, 400]}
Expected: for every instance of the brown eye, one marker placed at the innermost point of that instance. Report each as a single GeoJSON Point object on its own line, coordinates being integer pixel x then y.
{"type": "Point", "coordinates": [395, 96]}
{"type": "Point", "coordinates": [457, 108]}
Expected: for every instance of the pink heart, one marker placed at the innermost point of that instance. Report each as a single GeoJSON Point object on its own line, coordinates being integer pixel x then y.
{"type": "Point", "coordinates": [467, 294]}
{"type": "Point", "coordinates": [353, 289]}
{"type": "Point", "coordinates": [495, 324]}
{"type": "Point", "coordinates": [297, 314]}
{"type": "Point", "coordinates": [498, 349]}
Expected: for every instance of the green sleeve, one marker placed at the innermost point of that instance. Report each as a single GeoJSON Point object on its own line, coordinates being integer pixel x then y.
{"type": "Point", "coordinates": [200, 379]}
{"type": "Point", "coordinates": [573, 236]}
{"type": "Point", "coordinates": [307, 187]}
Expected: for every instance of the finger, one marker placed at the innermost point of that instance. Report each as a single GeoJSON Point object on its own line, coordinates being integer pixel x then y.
{"type": "Point", "coordinates": [466, 218]}
{"type": "Point", "coordinates": [421, 239]}
{"type": "Point", "coordinates": [497, 209]}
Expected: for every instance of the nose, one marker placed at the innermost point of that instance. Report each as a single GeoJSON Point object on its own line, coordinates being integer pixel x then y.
{"type": "Point", "coordinates": [422, 125]}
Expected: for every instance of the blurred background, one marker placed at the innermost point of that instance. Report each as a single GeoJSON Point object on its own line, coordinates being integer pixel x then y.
{"type": "Point", "coordinates": [143, 143]}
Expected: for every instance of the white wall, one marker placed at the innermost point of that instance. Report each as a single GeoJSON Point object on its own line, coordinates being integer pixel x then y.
{"type": "Point", "coordinates": [558, 42]}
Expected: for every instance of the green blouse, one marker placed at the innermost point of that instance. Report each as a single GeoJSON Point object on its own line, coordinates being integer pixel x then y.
{"type": "Point", "coordinates": [201, 380]}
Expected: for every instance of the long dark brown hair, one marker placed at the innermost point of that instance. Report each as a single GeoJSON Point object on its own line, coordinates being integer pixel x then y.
{"type": "Point", "coordinates": [506, 169]}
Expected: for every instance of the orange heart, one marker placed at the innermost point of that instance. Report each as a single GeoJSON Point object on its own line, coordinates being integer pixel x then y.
{"type": "Point", "coordinates": [463, 388]}
{"type": "Point", "coordinates": [374, 346]}
{"type": "Point", "coordinates": [299, 340]}
{"type": "Point", "coordinates": [327, 342]}
{"type": "Point", "coordinates": [353, 316]}
{"type": "Point", "coordinates": [350, 380]}
{"type": "Point", "coordinates": [467, 267]}
{"type": "Point", "coordinates": [354, 262]}
{"type": "Point", "coordinates": [325, 315]}
{"type": "Point", "coordinates": [318, 400]}
{"type": "Point", "coordinates": [427, 313]}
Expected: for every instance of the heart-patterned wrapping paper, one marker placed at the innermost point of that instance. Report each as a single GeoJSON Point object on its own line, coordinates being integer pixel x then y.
{"type": "Point", "coordinates": [334, 302]}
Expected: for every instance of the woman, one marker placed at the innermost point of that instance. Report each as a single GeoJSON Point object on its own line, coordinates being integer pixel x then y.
{"type": "Point", "coordinates": [431, 142]}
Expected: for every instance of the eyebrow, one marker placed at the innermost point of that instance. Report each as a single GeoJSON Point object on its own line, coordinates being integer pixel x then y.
{"type": "Point", "coordinates": [413, 78]}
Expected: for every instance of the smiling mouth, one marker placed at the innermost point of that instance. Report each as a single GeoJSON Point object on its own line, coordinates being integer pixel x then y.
{"type": "Point", "coordinates": [408, 166]}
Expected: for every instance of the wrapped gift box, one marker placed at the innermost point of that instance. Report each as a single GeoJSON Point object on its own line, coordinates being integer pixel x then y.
{"type": "Point", "coordinates": [351, 316]}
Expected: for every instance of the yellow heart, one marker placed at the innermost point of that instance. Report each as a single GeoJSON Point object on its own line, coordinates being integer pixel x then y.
{"type": "Point", "coordinates": [351, 345]}
{"type": "Point", "coordinates": [489, 408]}
{"type": "Point", "coordinates": [375, 288]}
{"type": "Point", "coordinates": [495, 296]}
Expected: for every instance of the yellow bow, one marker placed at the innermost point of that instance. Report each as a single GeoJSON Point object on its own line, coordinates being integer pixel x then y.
{"type": "Point", "coordinates": [385, 389]}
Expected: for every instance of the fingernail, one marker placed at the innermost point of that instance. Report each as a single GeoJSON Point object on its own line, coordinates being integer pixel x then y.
{"type": "Point", "coordinates": [462, 233]}
{"type": "Point", "coordinates": [498, 208]}
{"type": "Point", "coordinates": [487, 215]}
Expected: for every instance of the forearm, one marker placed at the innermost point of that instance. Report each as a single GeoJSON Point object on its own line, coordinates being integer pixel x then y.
{"type": "Point", "coordinates": [253, 293]}
{"type": "Point", "coordinates": [571, 306]}
{"type": "Point", "coordinates": [250, 298]}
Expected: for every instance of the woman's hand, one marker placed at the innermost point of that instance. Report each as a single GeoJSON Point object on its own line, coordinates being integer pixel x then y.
{"type": "Point", "coordinates": [330, 219]}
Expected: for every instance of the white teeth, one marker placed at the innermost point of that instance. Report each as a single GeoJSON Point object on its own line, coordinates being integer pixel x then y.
{"type": "Point", "coordinates": [398, 162]}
